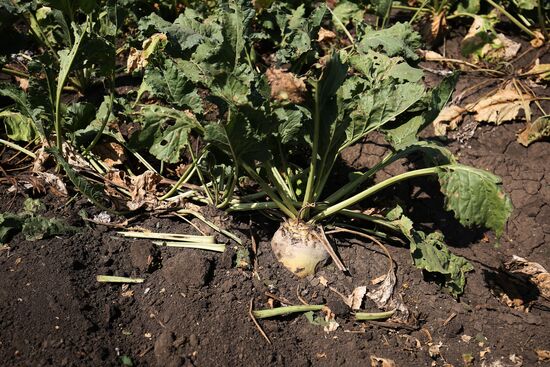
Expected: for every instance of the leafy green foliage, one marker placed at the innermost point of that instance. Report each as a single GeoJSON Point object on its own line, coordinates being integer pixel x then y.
{"type": "Point", "coordinates": [9, 223]}
{"type": "Point", "coordinates": [297, 31]}
{"type": "Point", "coordinates": [217, 75]}
{"type": "Point", "coordinates": [431, 254]}
{"type": "Point", "coordinates": [475, 198]}
{"type": "Point", "coordinates": [26, 111]}
{"type": "Point", "coordinates": [18, 126]}
{"type": "Point", "coordinates": [38, 227]}
{"type": "Point", "coordinates": [165, 131]}
{"type": "Point", "coordinates": [171, 84]}
{"type": "Point", "coordinates": [33, 226]}
{"type": "Point", "coordinates": [398, 40]}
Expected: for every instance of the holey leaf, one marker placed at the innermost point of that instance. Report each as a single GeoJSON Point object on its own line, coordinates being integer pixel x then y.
{"type": "Point", "coordinates": [171, 83]}
{"type": "Point", "coordinates": [398, 40]}
{"type": "Point", "coordinates": [475, 197]}
{"type": "Point", "coordinates": [431, 254]}
{"type": "Point", "coordinates": [165, 131]}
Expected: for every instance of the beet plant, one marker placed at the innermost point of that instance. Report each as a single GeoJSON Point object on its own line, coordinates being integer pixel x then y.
{"type": "Point", "coordinates": [283, 122]}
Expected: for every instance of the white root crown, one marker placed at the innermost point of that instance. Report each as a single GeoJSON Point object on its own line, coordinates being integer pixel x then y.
{"type": "Point", "coordinates": [298, 247]}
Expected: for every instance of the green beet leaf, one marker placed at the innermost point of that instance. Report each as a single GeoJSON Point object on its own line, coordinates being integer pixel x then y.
{"type": "Point", "coordinates": [475, 197]}
{"type": "Point", "coordinates": [165, 131]}
{"type": "Point", "coordinates": [18, 126]}
{"type": "Point", "coordinates": [171, 84]}
{"type": "Point", "coordinates": [431, 254]}
{"type": "Point", "coordinates": [39, 227]}
{"type": "Point", "coordinates": [9, 223]}
{"type": "Point", "coordinates": [398, 40]}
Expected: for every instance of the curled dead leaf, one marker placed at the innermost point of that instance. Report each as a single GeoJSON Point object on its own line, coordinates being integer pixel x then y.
{"type": "Point", "coordinates": [448, 119]}
{"type": "Point", "coordinates": [543, 355]}
{"type": "Point", "coordinates": [439, 22]}
{"type": "Point", "coordinates": [285, 86]}
{"type": "Point", "coordinates": [331, 325]}
{"type": "Point", "coordinates": [54, 182]}
{"type": "Point", "coordinates": [532, 271]}
{"type": "Point", "coordinates": [23, 83]}
{"type": "Point", "coordinates": [502, 106]}
{"type": "Point", "coordinates": [355, 299]}
{"type": "Point", "coordinates": [138, 59]}
{"type": "Point", "coordinates": [535, 131]}
{"type": "Point", "coordinates": [381, 362]}
{"type": "Point", "coordinates": [142, 188]}
{"type": "Point", "coordinates": [385, 299]}
{"type": "Point", "coordinates": [111, 153]}
{"type": "Point", "coordinates": [429, 55]}
{"type": "Point", "coordinates": [538, 41]}
{"type": "Point", "coordinates": [325, 34]}
{"type": "Point", "coordinates": [39, 163]}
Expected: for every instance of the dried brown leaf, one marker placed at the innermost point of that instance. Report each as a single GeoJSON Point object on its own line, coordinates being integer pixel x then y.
{"type": "Point", "coordinates": [23, 83]}
{"type": "Point", "coordinates": [325, 34]}
{"type": "Point", "coordinates": [543, 355]}
{"type": "Point", "coordinates": [381, 362]}
{"type": "Point", "coordinates": [385, 299]}
{"type": "Point", "coordinates": [54, 182]}
{"type": "Point", "coordinates": [111, 153]}
{"type": "Point", "coordinates": [431, 55]}
{"type": "Point", "coordinates": [533, 271]}
{"type": "Point", "coordinates": [448, 119]}
{"type": "Point", "coordinates": [142, 188]}
{"type": "Point", "coordinates": [538, 41]}
{"type": "Point", "coordinates": [285, 86]}
{"type": "Point", "coordinates": [138, 59]}
{"type": "Point", "coordinates": [535, 131]}
{"type": "Point", "coordinates": [39, 163]}
{"type": "Point", "coordinates": [439, 22]}
{"type": "Point", "coordinates": [502, 106]}
{"type": "Point", "coordinates": [355, 299]}
{"type": "Point", "coordinates": [382, 295]}
{"type": "Point", "coordinates": [501, 48]}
